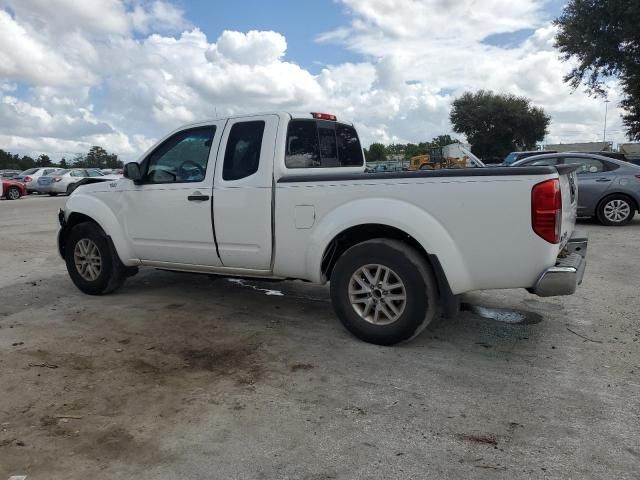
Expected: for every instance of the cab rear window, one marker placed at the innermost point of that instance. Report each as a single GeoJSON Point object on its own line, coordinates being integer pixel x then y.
{"type": "Point", "coordinates": [322, 144]}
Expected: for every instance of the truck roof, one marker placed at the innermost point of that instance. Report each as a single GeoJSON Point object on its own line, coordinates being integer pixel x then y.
{"type": "Point", "coordinates": [307, 115]}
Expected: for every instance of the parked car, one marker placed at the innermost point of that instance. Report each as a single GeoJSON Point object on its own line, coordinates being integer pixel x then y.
{"type": "Point", "coordinates": [608, 189]}
{"type": "Point", "coordinates": [65, 181]}
{"type": "Point", "coordinates": [615, 155]}
{"type": "Point", "coordinates": [12, 189]}
{"type": "Point", "coordinates": [30, 177]}
{"type": "Point", "coordinates": [8, 174]}
{"type": "Point", "coordinates": [292, 201]}
{"type": "Point", "coordinates": [111, 171]}
{"type": "Point", "coordinates": [516, 156]}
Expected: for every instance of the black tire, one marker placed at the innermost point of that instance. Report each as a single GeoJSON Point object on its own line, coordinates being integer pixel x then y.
{"type": "Point", "coordinates": [421, 305]}
{"type": "Point", "coordinates": [53, 194]}
{"type": "Point", "coordinates": [112, 273]}
{"type": "Point", "coordinates": [616, 210]}
{"type": "Point", "coordinates": [12, 193]}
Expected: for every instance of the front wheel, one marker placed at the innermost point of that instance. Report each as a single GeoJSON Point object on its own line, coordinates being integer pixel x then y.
{"type": "Point", "coordinates": [616, 210]}
{"type": "Point", "coordinates": [13, 193]}
{"type": "Point", "coordinates": [91, 262]}
{"type": "Point", "coordinates": [383, 291]}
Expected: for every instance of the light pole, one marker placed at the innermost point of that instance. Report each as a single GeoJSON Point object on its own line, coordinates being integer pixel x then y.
{"type": "Point", "coordinates": [604, 131]}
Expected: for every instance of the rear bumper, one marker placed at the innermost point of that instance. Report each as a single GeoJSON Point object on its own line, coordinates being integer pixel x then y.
{"type": "Point", "coordinates": [43, 188]}
{"type": "Point", "coordinates": [565, 276]}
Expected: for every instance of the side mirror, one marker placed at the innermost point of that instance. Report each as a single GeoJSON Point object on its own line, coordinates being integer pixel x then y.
{"type": "Point", "coordinates": [132, 172]}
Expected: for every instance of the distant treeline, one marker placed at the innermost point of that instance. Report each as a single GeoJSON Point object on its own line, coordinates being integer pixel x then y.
{"type": "Point", "coordinates": [96, 157]}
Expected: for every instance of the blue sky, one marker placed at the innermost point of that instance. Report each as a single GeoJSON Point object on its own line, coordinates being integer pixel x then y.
{"type": "Point", "coordinates": [300, 21]}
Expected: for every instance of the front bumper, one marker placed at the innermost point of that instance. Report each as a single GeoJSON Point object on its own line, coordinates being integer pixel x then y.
{"type": "Point", "coordinates": [62, 232]}
{"type": "Point", "coordinates": [565, 276]}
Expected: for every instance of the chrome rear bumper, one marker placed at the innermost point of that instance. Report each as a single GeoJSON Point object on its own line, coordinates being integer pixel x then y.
{"type": "Point", "coordinates": [565, 276]}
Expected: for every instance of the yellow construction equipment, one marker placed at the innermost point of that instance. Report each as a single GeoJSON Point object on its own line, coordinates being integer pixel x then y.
{"type": "Point", "coordinates": [424, 162]}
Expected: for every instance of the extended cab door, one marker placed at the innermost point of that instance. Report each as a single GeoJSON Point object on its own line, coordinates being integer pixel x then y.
{"type": "Point", "coordinates": [168, 218]}
{"type": "Point", "coordinates": [243, 192]}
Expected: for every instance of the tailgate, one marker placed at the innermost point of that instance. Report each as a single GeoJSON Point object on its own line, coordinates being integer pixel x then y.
{"type": "Point", "coordinates": [569, 189]}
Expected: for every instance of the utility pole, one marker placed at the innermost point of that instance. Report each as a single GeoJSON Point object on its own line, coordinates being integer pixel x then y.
{"type": "Point", "coordinates": [604, 131]}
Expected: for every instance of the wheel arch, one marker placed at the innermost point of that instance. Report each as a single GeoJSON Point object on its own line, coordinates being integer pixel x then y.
{"type": "Point", "coordinates": [361, 233]}
{"type": "Point", "coordinates": [86, 208]}
{"type": "Point", "coordinates": [362, 220]}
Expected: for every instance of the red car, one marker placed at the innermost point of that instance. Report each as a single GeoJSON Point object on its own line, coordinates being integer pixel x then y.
{"type": "Point", "coordinates": [13, 190]}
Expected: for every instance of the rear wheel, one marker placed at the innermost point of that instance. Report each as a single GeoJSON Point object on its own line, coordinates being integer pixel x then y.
{"type": "Point", "coordinates": [91, 262]}
{"type": "Point", "coordinates": [616, 210]}
{"type": "Point", "coordinates": [13, 193]}
{"type": "Point", "coordinates": [53, 194]}
{"type": "Point", "coordinates": [383, 291]}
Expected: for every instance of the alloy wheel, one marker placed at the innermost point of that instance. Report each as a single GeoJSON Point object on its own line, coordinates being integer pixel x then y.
{"type": "Point", "coordinates": [617, 210]}
{"type": "Point", "coordinates": [377, 294]}
{"type": "Point", "coordinates": [88, 260]}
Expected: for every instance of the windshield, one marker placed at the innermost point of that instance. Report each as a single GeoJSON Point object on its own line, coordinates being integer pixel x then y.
{"type": "Point", "coordinates": [30, 171]}
{"type": "Point", "coordinates": [56, 173]}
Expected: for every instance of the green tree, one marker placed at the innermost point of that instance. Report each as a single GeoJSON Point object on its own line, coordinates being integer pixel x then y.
{"type": "Point", "coordinates": [603, 36]}
{"type": "Point", "coordinates": [63, 163]}
{"type": "Point", "coordinates": [395, 149]}
{"type": "Point", "coordinates": [498, 124]}
{"type": "Point", "coordinates": [377, 153]}
{"type": "Point", "coordinates": [96, 157]}
{"type": "Point", "coordinates": [443, 140]}
{"type": "Point", "coordinates": [43, 161]}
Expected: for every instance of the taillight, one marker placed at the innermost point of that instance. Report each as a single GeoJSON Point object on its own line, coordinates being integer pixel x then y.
{"type": "Point", "coordinates": [27, 179]}
{"type": "Point", "coordinates": [546, 210]}
{"type": "Point", "coordinates": [57, 179]}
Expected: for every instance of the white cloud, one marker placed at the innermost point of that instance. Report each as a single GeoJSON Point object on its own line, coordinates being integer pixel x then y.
{"type": "Point", "coordinates": [80, 75]}
{"type": "Point", "coordinates": [23, 56]}
{"type": "Point", "coordinates": [251, 48]}
{"type": "Point", "coordinates": [158, 16]}
{"type": "Point", "coordinates": [61, 16]}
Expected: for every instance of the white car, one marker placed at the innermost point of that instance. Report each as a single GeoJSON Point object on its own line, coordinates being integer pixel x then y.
{"type": "Point", "coordinates": [30, 177]}
{"type": "Point", "coordinates": [64, 181]}
{"type": "Point", "coordinates": [284, 196]}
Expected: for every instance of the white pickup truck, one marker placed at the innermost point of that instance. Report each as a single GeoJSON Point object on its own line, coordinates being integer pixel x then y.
{"type": "Point", "coordinates": [284, 196]}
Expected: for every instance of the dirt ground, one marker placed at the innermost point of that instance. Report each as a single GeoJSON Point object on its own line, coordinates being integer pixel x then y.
{"type": "Point", "coordinates": [185, 376]}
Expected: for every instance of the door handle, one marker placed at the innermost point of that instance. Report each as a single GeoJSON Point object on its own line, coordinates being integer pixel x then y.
{"type": "Point", "coordinates": [604, 179]}
{"type": "Point", "coordinates": [198, 198]}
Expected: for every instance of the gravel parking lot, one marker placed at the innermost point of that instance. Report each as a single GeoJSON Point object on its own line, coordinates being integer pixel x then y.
{"type": "Point", "coordinates": [186, 376]}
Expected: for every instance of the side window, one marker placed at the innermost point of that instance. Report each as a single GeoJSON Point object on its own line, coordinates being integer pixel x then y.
{"type": "Point", "coordinates": [543, 162]}
{"type": "Point", "coordinates": [328, 144]}
{"type": "Point", "coordinates": [587, 165]}
{"type": "Point", "coordinates": [181, 158]}
{"type": "Point", "coordinates": [349, 149]}
{"type": "Point", "coordinates": [94, 173]}
{"type": "Point", "coordinates": [322, 144]}
{"type": "Point", "coordinates": [242, 155]}
{"type": "Point", "coordinates": [78, 173]}
{"type": "Point", "coordinates": [303, 150]}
